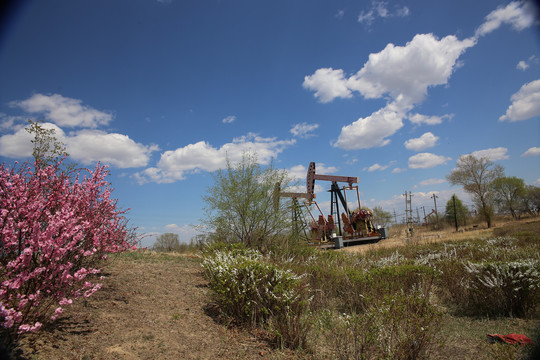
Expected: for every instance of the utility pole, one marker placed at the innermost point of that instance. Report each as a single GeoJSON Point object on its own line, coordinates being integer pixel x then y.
{"type": "Point", "coordinates": [408, 214]}
{"type": "Point", "coordinates": [455, 214]}
{"type": "Point", "coordinates": [434, 197]}
{"type": "Point", "coordinates": [395, 217]}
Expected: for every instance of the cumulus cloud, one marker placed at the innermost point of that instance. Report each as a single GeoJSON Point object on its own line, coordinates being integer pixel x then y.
{"type": "Point", "coordinates": [174, 165]}
{"type": "Point", "coordinates": [303, 130]}
{"type": "Point", "coordinates": [427, 160]}
{"type": "Point", "coordinates": [328, 84]}
{"type": "Point", "coordinates": [229, 119]}
{"type": "Point", "coordinates": [370, 131]}
{"type": "Point", "coordinates": [419, 119]}
{"type": "Point", "coordinates": [492, 154]}
{"type": "Point", "coordinates": [91, 146]}
{"type": "Point", "coordinates": [518, 14]}
{"type": "Point", "coordinates": [63, 111]}
{"type": "Point", "coordinates": [86, 147]}
{"type": "Point", "coordinates": [534, 151]}
{"type": "Point", "coordinates": [525, 103]}
{"type": "Point", "coordinates": [425, 141]}
{"type": "Point", "coordinates": [401, 73]}
{"type": "Point", "coordinates": [406, 72]}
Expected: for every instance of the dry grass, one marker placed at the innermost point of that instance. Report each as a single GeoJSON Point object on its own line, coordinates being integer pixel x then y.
{"type": "Point", "coordinates": [157, 306]}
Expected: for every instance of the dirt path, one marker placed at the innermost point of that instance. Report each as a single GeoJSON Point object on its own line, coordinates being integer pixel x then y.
{"type": "Point", "coordinates": [148, 308]}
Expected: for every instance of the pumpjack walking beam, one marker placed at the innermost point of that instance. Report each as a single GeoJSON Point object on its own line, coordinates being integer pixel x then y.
{"type": "Point", "coordinates": [335, 191]}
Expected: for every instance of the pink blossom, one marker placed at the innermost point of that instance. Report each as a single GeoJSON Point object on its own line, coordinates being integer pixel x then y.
{"type": "Point", "coordinates": [65, 301]}
{"type": "Point", "coordinates": [59, 218]}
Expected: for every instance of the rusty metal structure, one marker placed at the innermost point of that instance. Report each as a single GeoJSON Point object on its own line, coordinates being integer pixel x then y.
{"type": "Point", "coordinates": [353, 226]}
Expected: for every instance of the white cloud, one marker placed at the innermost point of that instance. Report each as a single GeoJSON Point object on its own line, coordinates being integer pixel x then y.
{"type": "Point", "coordinates": [229, 119]}
{"type": "Point", "coordinates": [492, 154]}
{"type": "Point", "coordinates": [19, 144]}
{"type": "Point", "coordinates": [370, 131]}
{"type": "Point", "coordinates": [299, 172]}
{"type": "Point", "coordinates": [303, 130]}
{"type": "Point", "coordinates": [525, 103]}
{"type": "Point", "coordinates": [8, 122]}
{"type": "Point", "coordinates": [525, 64]}
{"type": "Point", "coordinates": [398, 170]}
{"type": "Point", "coordinates": [425, 141]}
{"type": "Point", "coordinates": [518, 14]}
{"type": "Point", "coordinates": [522, 65]}
{"type": "Point", "coordinates": [419, 119]}
{"type": "Point", "coordinates": [406, 72]}
{"type": "Point", "coordinates": [431, 182]}
{"type": "Point", "coordinates": [427, 160]}
{"type": "Point", "coordinates": [91, 146]}
{"type": "Point", "coordinates": [63, 111]}
{"type": "Point", "coordinates": [86, 147]}
{"type": "Point", "coordinates": [376, 167]}
{"type": "Point", "coordinates": [380, 9]}
{"type": "Point", "coordinates": [174, 165]}
{"type": "Point", "coordinates": [403, 73]}
{"type": "Point", "coordinates": [534, 151]}
{"type": "Point", "coordinates": [537, 181]}
{"type": "Point", "coordinates": [328, 84]}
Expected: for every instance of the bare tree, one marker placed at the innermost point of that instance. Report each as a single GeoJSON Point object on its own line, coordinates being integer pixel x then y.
{"type": "Point", "coordinates": [476, 175]}
{"type": "Point", "coordinates": [167, 242]}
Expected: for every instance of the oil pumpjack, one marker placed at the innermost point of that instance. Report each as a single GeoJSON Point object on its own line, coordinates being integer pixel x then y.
{"type": "Point", "coordinates": [353, 226]}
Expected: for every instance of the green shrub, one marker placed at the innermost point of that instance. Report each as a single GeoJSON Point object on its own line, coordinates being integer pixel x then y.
{"type": "Point", "coordinates": [254, 292]}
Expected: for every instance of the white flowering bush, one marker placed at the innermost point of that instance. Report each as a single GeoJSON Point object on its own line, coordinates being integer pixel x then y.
{"type": "Point", "coordinates": [497, 288]}
{"type": "Point", "coordinates": [253, 291]}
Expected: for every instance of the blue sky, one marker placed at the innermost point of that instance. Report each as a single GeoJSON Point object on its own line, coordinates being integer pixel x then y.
{"type": "Point", "coordinates": [393, 92]}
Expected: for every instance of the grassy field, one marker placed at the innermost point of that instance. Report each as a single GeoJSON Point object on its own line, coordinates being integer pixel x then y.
{"type": "Point", "coordinates": [160, 306]}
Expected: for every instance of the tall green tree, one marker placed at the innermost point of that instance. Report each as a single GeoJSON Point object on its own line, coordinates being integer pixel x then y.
{"type": "Point", "coordinates": [240, 204]}
{"type": "Point", "coordinates": [509, 194]}
{"type": "Point", "coordinates": [456, 211]}
{"type": "Point", "coordinates": [475, 175]}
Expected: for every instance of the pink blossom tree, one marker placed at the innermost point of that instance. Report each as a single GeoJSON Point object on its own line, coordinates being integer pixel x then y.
{"type": "Point", "coordinates": [55, 231]}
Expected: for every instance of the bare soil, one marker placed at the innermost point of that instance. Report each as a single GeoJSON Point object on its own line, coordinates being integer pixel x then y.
{"type": "Point", "coordinates": [155, 307]}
